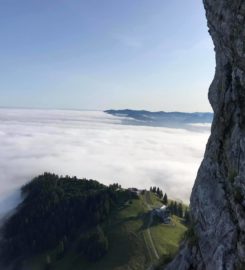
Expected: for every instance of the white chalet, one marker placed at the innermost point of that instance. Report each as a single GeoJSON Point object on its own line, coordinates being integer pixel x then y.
{"type": "Point", "coordinates": [163, 213]}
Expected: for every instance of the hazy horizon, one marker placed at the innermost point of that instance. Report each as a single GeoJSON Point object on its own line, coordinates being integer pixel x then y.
{"type": "Point", "coordinates": [96, 145]}
{"type": "Point", "coordinates": [99, 110]}
{"type": "Point", "coordinates": [101, 55]}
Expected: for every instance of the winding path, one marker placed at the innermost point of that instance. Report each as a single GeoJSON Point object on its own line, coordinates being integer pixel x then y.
{"type": "Point", "coordinates": [153, 254]}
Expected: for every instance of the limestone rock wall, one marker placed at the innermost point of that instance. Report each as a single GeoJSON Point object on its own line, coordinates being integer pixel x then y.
{"type": "Point", "coordinates": [218, 196]}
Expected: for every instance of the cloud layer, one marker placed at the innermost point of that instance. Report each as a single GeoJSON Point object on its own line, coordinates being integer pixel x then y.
{"type": "Point", "coordinates": [95, 145]}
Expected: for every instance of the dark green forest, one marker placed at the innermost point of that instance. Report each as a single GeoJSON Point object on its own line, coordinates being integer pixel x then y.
{"type": "Point", "coordinates": [55, 210]}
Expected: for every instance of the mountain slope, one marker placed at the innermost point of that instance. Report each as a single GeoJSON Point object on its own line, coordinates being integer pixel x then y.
{"type": "Point", "coordinates": [69, 223]}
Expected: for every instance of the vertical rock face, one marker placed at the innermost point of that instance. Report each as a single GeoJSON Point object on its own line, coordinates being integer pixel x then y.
{"type": "Point", "coordinates": [218, 196]}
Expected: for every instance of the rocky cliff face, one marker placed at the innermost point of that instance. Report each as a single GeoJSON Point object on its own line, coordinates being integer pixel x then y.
{"type": "Point", "coordinates": [218, 196]}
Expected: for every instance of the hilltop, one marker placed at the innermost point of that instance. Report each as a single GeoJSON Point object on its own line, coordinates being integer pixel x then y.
{"type": "Point", "coordinates": [69, 223]}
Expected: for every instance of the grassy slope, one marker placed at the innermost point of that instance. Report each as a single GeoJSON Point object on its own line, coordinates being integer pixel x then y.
{"type": "Point", "coordinates": [128, 241]}
{"type": "Point", "coordinates": [167, 237]}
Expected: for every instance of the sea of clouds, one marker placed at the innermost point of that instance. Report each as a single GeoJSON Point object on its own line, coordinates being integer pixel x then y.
{"type": "Point", "coordinates": [97, 146]}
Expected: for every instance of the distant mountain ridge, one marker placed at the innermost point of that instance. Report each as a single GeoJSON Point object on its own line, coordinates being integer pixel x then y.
{"type": "Point", "coordinates": [163, 117]}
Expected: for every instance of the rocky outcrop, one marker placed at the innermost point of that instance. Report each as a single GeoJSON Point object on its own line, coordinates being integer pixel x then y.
{"type": "Point", "coordinates": [218, 196]}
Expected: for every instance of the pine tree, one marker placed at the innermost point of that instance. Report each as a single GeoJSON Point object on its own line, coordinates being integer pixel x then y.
{"type": "Point", "coordinates": [175, 209]}
{"type": "Point", "coordinates": [165, 199]}
{"type": "Point", "coordinates": [171, 208]}
{"type": "Point", "coordinates": [180, 210]}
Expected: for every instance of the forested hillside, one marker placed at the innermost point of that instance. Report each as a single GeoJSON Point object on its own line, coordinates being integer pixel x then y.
{"type": "Point", "coordinates": [54, 211]}
{"type": "Point", "coordinates": [69, 223]}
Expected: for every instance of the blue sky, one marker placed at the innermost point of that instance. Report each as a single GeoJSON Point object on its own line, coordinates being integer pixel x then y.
{"type": "Point", "coordinates": [93, 54]}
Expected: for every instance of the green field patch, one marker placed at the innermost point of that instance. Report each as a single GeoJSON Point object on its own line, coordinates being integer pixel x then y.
{"type": "Point", "coordinates": [130, 247]}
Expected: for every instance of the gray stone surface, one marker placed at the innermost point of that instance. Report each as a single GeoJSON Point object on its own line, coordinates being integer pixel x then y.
{"type": "Point", "coordinates": [218, 196]}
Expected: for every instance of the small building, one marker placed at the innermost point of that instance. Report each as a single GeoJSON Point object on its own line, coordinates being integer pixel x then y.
{"type": "Point", "coordinates": [163, 213]}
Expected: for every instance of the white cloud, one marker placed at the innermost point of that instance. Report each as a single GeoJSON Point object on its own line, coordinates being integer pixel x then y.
{"type": "Point", "coordinates": [95, 145]}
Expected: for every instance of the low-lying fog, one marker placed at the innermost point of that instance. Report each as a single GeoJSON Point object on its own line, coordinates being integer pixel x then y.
{"type": "Point", "coordinates": [98, 146]}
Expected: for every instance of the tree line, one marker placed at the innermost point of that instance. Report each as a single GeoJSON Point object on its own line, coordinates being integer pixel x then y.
{"type": "Point", "coordinates": [55, 211]}
{"type": "Point", "coordinates": [157, 191]}
{"type": "Point", "coordinates": [175, 208]}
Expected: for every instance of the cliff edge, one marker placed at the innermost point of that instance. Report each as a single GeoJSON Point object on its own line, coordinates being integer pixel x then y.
{"type": "Point", "coordinates": [218, 196]}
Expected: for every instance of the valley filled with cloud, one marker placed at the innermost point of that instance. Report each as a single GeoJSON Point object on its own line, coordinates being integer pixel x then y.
{"type": "Point", "coordinates": [96, 145]}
